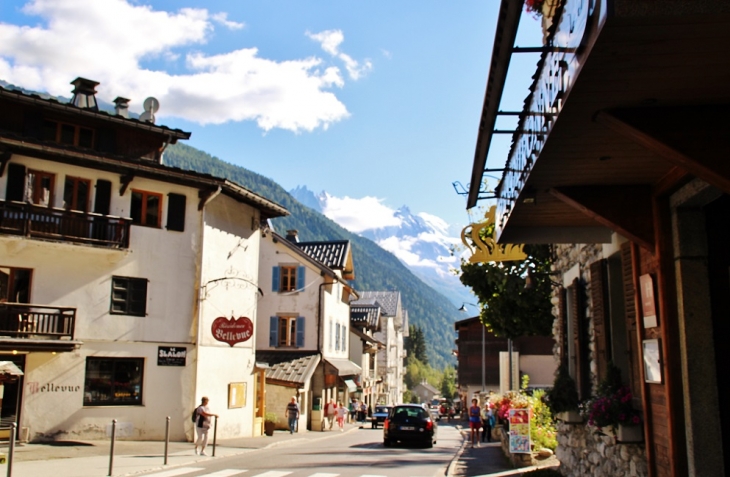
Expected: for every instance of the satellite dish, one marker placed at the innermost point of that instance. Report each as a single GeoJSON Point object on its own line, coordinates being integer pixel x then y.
{"type": "Point", "coordinates": [151, 106]}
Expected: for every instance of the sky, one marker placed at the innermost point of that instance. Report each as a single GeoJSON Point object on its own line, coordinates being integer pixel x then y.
{"type": "Point", "coordinates": [375, 102]}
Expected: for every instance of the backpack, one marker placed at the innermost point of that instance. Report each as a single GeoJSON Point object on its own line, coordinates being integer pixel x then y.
{"type": "Point", "coordinates": [195, 414]}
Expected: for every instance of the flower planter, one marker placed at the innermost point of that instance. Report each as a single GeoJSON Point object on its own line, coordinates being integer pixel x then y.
{"type": "Point", "coordinates": [269, 428]}
{"type": "Point", "coordinates": [570, 417]}
{"type": "Point", "coordinates": [630, 433]}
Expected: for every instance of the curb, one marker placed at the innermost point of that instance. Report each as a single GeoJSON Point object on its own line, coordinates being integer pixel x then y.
{"type": "Point", "coordinates": [452, 464]}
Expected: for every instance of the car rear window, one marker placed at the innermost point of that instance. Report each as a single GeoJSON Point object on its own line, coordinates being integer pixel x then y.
{"type": "Point", "coordinates": [384, 409]}
{"type": "Point", "coordinates": [402, 413]}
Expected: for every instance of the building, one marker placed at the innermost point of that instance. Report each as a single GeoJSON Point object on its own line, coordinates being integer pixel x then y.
{"type": "Point", "coordinates": [129, 289]}
{"type": "Point", "coordinates": [483, 360]}
{"type": "Point", "coordinates": [304, 323]}
{"type": "Point", "coordinates": [392, 331]}
{"type": "Point", "coordinates": [425, 392]}
{"type": "Point", "coordinates": [365, 321]}
{"type": "Point", "coordinates": [619, 157]}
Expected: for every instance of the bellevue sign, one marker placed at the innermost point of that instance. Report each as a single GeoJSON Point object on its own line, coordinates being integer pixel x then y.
{"type": "Point", "coordinates": [232, 331]}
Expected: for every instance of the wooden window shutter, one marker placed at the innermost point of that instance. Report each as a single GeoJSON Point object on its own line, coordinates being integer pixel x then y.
{"type": "Point", "coordinates": [599, 297]}
{"type": "Point", "coordinates": [300, 278]}
{"type": "Point", "coordinates": [580, 344]}
{"type": "Point", "coordinates": [103, 198]}
{"type": "Point", "coordinates": [627, 272]}
{"type": "Point", "coordinates": [16, 183]}
{"type": "Point", "coordinates": [562, 327]}
{"type": "Point", "coordinates": [273, 331]}
{"type": "Point", "coordinates": [176, 212]}
{"type": "Point", "coordinates": [275, 279]}
{"type": "Point", "coordinates": [300, 331]}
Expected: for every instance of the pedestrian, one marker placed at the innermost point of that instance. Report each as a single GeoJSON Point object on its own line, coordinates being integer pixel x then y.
{"type": "Point", "coordinates": [352, 410]}
{"type": "Point", "coordinates": [487, 423]}
{"type": "Point", "coordinates": [202, 424]}
{"type": "Point", "coordinates": [292, 413]}
{"type": "Point", "coordinates": [341, 413]}
{"type": "Point", "coordinates": [362, 409]}
{"type": "Point", "coordinates": [475, 422]}
{"type": "Point", "coordinates": [330, 411]}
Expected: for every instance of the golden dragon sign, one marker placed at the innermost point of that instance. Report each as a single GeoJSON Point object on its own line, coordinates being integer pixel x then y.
{"type": "Point", "coordinates": [488, 250]}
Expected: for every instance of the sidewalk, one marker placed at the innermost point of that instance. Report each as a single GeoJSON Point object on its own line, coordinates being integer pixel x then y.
{"type": "Point", "coordinates": [91, 458]}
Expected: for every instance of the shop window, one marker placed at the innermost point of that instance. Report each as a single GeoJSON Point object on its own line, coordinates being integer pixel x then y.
{"type": "Point", "coordinates": [68, 134]}
{"type": "Point", "coordinates": [146, 208]}
{"type": "Point", "coordinates": [113, 381]}
{"type": "Point", "coordinates": [76, 193]}
{"type": "Point", "coordinates": [286, 331]}
{"type": "Point", "coordinates": [15, 285]}
{"type": "Point", "coordinates": [287, 278]}
{"type": "Point", "coordinates": [129, 296]}
{"type": "Point", "coordinates": [39, 188]}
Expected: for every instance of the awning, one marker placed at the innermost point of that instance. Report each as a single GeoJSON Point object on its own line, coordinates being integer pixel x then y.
{"type": "Point", "coordinates": [351, 386]}
{"type": "Point", "coordinates": [345, 367]}
{"type": "Point", "coordinates": [10, 368]}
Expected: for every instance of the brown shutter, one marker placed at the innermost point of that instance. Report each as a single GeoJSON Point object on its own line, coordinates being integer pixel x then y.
{"type": "Point", "coordinates": [580, 344]}
{"type": "Point", "coordinates": [599, 297]}
{"type": "Point", "coordinates": [627, 273]}
{"type": "Point", "coordinates": [562, 328]}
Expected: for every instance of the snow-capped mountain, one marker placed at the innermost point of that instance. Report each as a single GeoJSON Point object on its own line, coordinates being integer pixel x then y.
{"type": "Point", "coordinates": [423, 242]}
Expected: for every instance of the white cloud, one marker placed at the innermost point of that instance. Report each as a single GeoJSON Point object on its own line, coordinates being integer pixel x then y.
{"type": "Point", "coordinates": [401, 248]}
{"type": "Point", "coordinates": [357, 215]}
{"type": "Point", "coordinates": [330, 41]}
{"type": "Point", "coordinates": [110, 40]}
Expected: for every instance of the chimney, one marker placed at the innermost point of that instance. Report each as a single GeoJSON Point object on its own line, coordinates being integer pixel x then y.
{"type": "Point", "coordinates": [291, 235]}
{"type": "Point", "coordinates": [121, 107]}
{"type": "Point", "coordinates": [84, 91]}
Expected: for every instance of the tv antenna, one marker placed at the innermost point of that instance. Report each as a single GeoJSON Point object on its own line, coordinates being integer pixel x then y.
{"type": "Point", "coordinates": [151, 106]}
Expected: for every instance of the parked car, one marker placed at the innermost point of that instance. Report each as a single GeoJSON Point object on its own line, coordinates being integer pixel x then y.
{"type": "Point", "coordinates": [409, 423]}
{"type": "Point", "coordinates": [380, 415]}
{"type": "Point", "coordinates": [435, 414]}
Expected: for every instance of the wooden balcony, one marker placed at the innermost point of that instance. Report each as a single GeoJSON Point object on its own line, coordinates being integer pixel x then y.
{"type": "Point", "coordinates": [28, 220]}
{"type": "Point", "coordinates": [20, 320]}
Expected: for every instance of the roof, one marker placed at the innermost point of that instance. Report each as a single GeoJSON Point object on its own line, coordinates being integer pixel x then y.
{"type": "Point", "coordinates": [389, 301]}
{"type": "Point", "coordinates": [428, 387]}
{"type": "Point", "coordinates": [54, 104]}
{"type": "Point", "coordinates": [366, 338]}
{"type": "Point", "coordinates": [344, 367]}
{"type": "Point", "coordinates": [335, 254]}
{"type": "Point", "coordinates": [365, 315]}
{"type": "Point", "coordinates": [10, 368]}
{"type": "Point", "coordinates": [289, 366]}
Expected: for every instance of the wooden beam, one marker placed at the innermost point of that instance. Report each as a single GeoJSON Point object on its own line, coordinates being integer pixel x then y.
{"type": "Point", "coordinates": [712, 171]}
{"type": "Point", "coordinates": [124, 181]}
{"type": "Point", "coordinates": [626, 209]}
{"type": "Point", "coordinates": [4, 159]}
{"type": "Point", "coordinates": [671, 181]}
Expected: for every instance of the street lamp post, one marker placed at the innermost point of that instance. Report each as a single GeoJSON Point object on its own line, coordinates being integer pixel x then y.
{"type": "Point", "coordinates": [484, 369]}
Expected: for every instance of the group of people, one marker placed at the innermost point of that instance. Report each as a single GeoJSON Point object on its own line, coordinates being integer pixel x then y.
{"type": "Point", "coordinates": [481, 418]}
{"type": "Point", "coordinates": [335, 411]}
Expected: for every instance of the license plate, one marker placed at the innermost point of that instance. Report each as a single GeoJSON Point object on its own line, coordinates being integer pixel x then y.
{"type": "Point", "coordinates": [407, 428]}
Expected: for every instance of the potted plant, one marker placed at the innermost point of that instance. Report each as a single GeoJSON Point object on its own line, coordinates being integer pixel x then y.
{"type": "Point", "coordinates": [611, 410]}
{"type": "Point", "coordinates": [270, 420]}
{"type": "Point", "coordinates": [563, 397]}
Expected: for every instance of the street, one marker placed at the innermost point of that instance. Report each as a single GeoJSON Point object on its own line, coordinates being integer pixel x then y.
{"type": "Point", "coordinates": [357, 453]}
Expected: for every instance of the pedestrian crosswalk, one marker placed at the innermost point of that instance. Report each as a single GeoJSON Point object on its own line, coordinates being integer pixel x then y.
{"type": "Point", "coordinates": [194, 472]}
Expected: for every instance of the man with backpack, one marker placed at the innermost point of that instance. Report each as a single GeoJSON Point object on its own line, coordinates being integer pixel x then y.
{"type": "Point", "coordinates": [202, 416]}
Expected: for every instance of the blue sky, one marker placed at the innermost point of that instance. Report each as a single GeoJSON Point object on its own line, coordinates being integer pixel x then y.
{"type": "Point", "coordinates": [377, 99]}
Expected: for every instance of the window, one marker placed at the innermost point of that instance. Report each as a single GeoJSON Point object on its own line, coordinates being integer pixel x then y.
{"type": "Point", "coordinates": [39, 188]}
{"type": "Point", "coordinates": [337, 337]}
{"type": "Point", "coordinates": [15, 285]}
{"type": "Point", "coordinates": [286, 332]}
{"type": "Point", "coordinates": [129, 296]}
{"type": "Point", "coordinates": [146, 208]}
{"type": "Point", "coordinates": [76, 194]}
{"type": "Point", "coordinates": [287, 278]}
{"type": "Point", "coordinates": [113, 381]}
{"type": "Point", "coordinates": [176, 212]}
{"type": "Point", "coordinates": [70, 134]}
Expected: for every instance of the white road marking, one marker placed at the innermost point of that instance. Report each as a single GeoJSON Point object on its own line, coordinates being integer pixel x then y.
{"type": "Point", "coordinates": [225, 473]}
{"type": "Point", "coordinates": [273, 473]}
{"type": "Point", "coordinates": [175, 472]}
{"type": "Point", "coordinates": [324, 475]}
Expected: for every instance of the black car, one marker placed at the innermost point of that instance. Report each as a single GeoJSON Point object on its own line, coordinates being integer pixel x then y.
{"type": "Point", "coordinates": [409, 423]}
{"type": "Point", "coordinates": [380, 414]}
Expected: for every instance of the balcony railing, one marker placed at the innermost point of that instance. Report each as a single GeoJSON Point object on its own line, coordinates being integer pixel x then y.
{"type": "Point", "coordinates": [19, 218]}
{"type": "Point", "coordinates": [20, 320]}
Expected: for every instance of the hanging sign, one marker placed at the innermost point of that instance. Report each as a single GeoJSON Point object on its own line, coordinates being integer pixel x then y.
{"type": "Point", "coordinates": [232, 331]}
{"type": "Point", "coordinates": [519, 431]}
{"type": "Point", "coordinates": [171, 356]}
{"type": "Point", "coordinates": [648, 303]}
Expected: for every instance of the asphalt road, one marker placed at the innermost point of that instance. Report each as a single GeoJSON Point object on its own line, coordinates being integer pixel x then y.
{"type": "Point", "coordinates": [358, 453]}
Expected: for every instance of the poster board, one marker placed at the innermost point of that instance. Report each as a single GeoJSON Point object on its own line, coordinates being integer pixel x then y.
{"type": "Point", "coordinates": [652, 361]}
{"type": "Point", "coordinates": [236, 395]}
{"type": "Point", "coordinates": [519, 431]}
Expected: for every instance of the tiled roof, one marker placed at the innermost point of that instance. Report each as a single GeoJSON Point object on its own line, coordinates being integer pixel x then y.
{"type": "Point", "coordinates": [365, 315]}
{"type": "Point", "coordinates": [333, 253]}
{"type": "Point", "coordinates": [388, 300]}
{"type": "Point", "coordinates": [291, 366]}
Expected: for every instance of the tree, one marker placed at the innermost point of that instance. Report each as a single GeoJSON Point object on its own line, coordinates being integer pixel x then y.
{"type": "Point", "coordinates": [415, 344]}
{"type": "Point", "coordinates": [509, 309]}
{"type": "Point", "coordinates": [448, 383]}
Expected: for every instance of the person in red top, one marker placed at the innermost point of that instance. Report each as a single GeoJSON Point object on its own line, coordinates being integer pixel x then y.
{"type": "Point", "coordinates": [330, 410]}
{"type": "Point", "coordinates": [475, 422]}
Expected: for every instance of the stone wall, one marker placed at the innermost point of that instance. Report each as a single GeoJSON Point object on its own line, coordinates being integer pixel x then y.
{"type": "Point", "coordinates": [583, 451]}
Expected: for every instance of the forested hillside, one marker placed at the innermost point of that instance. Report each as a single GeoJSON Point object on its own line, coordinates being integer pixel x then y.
{"type": "Point", "coordinates": [375, 268]}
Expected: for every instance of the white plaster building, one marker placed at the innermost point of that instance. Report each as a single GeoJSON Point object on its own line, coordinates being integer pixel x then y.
{"type": "Point", "coordinates": [364, 322]}
{"type": "Point", "coordinates": [304, 325]}
{"type": "Point", "coordinates": [113, 271]}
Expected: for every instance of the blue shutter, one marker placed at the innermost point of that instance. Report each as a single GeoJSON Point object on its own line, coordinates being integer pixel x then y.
{"type": "Point", "coordinates": [300, 331]}
{"type": "Point", "coordinates": [274, 331]}
{"type": "Point", "coordinates": [337, 337]}
{"type": "Point", "coordinates": [300, 278]}
{"type": "Point", "coordinates": [275, 279]}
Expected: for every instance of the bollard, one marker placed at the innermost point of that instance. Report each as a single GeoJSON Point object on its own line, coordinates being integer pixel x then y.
{"type": "Point", "coordinates": [11, 448]}
{"type": "Point", "coordinates": [111, 451]}
{"type": "Point", "coordinates": [167, 437]}
{"type": "Point", "coordinates": [215, 431]}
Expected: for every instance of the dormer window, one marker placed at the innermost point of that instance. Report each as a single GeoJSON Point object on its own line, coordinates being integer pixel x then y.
{"type": "Point", "coordinates": [69, 134]}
